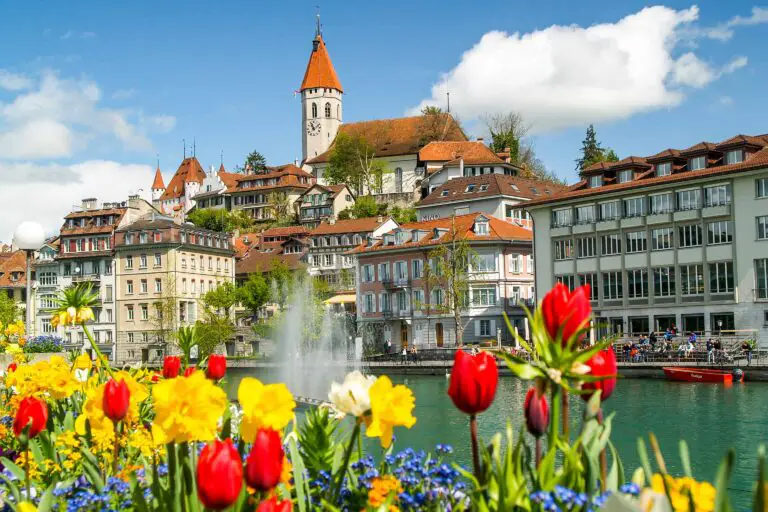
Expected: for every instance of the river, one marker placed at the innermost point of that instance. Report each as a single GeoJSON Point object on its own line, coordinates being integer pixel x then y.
{"type": "Point", "coordinates": [710, 417]}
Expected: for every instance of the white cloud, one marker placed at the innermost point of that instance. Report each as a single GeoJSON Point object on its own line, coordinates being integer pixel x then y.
{"type": "Point", "coordinates": [69, 34]}
{"type": "Point", "coordinates": [735, 64]}
{"type": "Point", "coordinates": [60, 116]}
{"type": "Point", "coordinates": [124, 94]}
{"type": "Point", "coordinates": [14, 81]}
{"type": "Point", "coordinates": [724, 31]}
{"type": "Point", "coordinates": [565, 76]}
{"type": "Point", "coordinates": [46, 193]}
{"type": "Point", "coordinates": [726, 100]}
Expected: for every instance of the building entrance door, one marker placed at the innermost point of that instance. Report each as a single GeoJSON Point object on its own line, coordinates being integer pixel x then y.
{"type": "Point", "coordinates": [617, 326]}
{"type": "Point", "coordinates": [439, 334]}
{"type": "Point", "coordinates": [404, 335]}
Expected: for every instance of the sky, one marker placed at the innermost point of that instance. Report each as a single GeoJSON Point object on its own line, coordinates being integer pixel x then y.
{"type": "Point", "coordinates": [93, 94]}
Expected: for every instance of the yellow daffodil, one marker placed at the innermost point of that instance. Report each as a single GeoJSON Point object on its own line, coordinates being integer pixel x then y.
{"type": "Point", "coordinates": [83, 362]}
{"type": "Point", "coordinates": [13, 349]}
{"type": "Point", "coordinates": [62, 383]}
{"type": "Point", "coordinates": [93, 410]}
{"type": "Point", "coordinates": [26, 506]}
{"type": "Point", "coordinates": [391, 406]}
{"type": "Point", "coordinates": [264, 406]}
{"type": "Point", "coordinates": [187, 409]}
{"type": "Point", "coordinates": [703, 493]}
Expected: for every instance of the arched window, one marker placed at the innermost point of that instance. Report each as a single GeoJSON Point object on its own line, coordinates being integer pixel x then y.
{"type": "Point", "coordinates": [398, 180]}
{"type": "Point", "coordinates": [314, 110]}
{"type": "Point", "coordinates": [327, 110]}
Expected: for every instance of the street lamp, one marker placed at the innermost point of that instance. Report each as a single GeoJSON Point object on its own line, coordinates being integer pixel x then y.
{"type": "Point", "coordinates": [29, 236]}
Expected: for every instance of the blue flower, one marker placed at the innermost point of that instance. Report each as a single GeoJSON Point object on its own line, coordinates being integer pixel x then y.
{"type": "Point", "coordinates": [632, 489]}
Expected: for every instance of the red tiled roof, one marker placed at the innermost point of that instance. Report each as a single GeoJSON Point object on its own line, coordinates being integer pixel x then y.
{"type": "Point", "coordinates": [13, 264]}
{"type": "Point", "coordinates": [96, 213]}
{"type": "Point", "coordinates": [284, 231]}
{"type": "Point", "coordinates": [739, 140]}
{"type": "Point", "coordinates": [320, 72]}
{"type": "Point", "coordinates": [497, 184]}
{"type": "Point", "coordinates": [229, 179]}
{"type": "Point", "coordinates": [189, 170]}
{"type": "Point", "coordinates": [364, 225]}
{"type": "Point", "coordinates": [287, 175]}
{"type": "Point", "coordinates": [335, 190]}
{"type": "Point", "coordinates": [698, 148]}
{"type": "Point", "coordinates": [258, 261]}
{"type": "Point", "coordinates": [667, 154]}
{"type": "Point", "coordinates": [473, 152]}
{"type": "Point", "coordinates": [498, 230]}
{"type": "Point", "coordinates": [400, 136]}
{"type": "Point", "coordinates": [158, 183]}
{"type": "Point", "coordinates": [757, 160]}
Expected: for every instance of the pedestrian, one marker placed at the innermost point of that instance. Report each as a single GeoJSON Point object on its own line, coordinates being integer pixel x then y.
{"type": "Point", "coordinates": [710, 351]}
{"type": "Point", "coordinates": [405, 355]}
{"type": "Point", "coordinates": [414, 354]}
{"type": "Point", "coordinates": [747, 348]}
{"type": "Point", "coordinates": [389, 346]}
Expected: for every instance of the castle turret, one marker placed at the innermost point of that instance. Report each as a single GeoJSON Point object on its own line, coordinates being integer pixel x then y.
{"type": "Point", "coordinates": [158, 186]}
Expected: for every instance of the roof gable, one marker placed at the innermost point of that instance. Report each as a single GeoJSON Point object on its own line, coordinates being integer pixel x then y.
{"type": "Point", "coordinates": [470, 151]}
{"type": "Point", "coordinates": [189, 170]}
{"type": "Point", "coordinates": [320, 72]}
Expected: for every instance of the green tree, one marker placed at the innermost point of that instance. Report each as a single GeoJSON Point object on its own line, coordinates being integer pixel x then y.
{"type": "Point", "coordinates": [403, 215]}
{"type": "Point", "coordinates": [435, 125]}
{"type": "Point", "coordinates": [592, 151]}
{"type": "Point", "coordinates": [254, 162]}
{"type": "Point", "coordinates": [279, 208]}
{"type": "Point", "coordinates": [9, 310]}
{"type": "Point", "coordinates": [431, 110]}
{"type": "Point", "coordinates": [448, 270]}
{"type": "Point", "coordinates": [222, 298]}
{"type": "Point", "coordinates": [365, 206]}
{"type": "Point", "coordinates": [254, 293]}
{"type": "Point", "coordinates": [353, 162]}
{"type": "Point", "coordinates": [213, 219]}
{"type": "Point", "coordinates": [186, 340]}
{"type": "Point", "coordinates": [164, 311]}
{"type": "Point", "coordinates": [212, 331]}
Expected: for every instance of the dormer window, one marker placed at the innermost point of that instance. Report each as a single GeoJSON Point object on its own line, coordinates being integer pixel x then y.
{"type": "Point", "coordinates": [444, 193]}
{"type": "Point", "coordinates": [595, 181]}
{"type": "Point", "coordinates": [664, 169]}
{"type": "Point", "coordinates": [483, 188]}
{"type": "Point", "coordinates": [481, 227]}
{"type": "Point", "coordinates": [697, 162]}
{"type": "Point", "coordinates": [624, 176]}
{"type": "Point", "coordinates": [470, 188]}
{"type": "Point", "coordinates": [734, 157]}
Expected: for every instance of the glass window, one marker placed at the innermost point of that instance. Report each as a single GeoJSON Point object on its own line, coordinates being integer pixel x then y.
{"type": "Point", "coordinates": [611, 244]}
{"type": "Point", "coordinates": [664, 282]}
{"type": "Point", "coordinates": [720, 232]}
{"type": "Point", "coordinates": [612, 286]}
{"type": "Point", "coordinates": [129, 311]}
{"type": "Point", "coordinates": [486, 262]}
{"type": "Point", "coordinates": [624, 176]}
{"type": "Point", "coordinates": [761, 187]}
{"type": "Point", "coordinates": [563, 249]}
{"type": "Point", "coordinates": [721, 277]}
{"type": "Point", "coordinates": [688, 199]}
{"type": "Point", "coordinates": [568, 281]}
{"type": "Point", "coordinates": [689, 235]}
{"type": "Point", "coordinates": [417, 269]}
{"type": "Point", "coordinates": [129, 286]}
{"type": "Point", "coordinates": [692, 279]}
{"type": "Point", "coordinates": [762, 227]}
{"type": "Point", "coordinates": [697, 162]}
{"type": "Point", "coordinates": [143, 261]}
{"type": "Point", "coordinates": [634, 207]}
{"type": "Point", "coordinates": [761, 278]}
{"type": "Point", "coordinates": [595, 181]}
{"type": "Point", "coordinates": [484, 296]}
{"type": "Point", "coordinates": [129, 262]}
{"type": "Point", "coordinates": [664, 169]}
{"type": "Point", "coordinates": [637, 283]}
{"type": "Point", "coordinates": [609, 211]}
{"type": "Point", "coordinates": [485, 327]}
{"type": "Point", "coordinates": [586, 247]}
{"type": "Point", "coordinates": [585, 214]}
{"type": "Point", "coordinates": [591, 280]}
{"type": "Point", "coordinates": [418, 298]}
{"type": "Point", "coordinates": [718, 195]}
{"type": "Point", "coordinates": [561, 217]}
{"type": "Point", "coordinates": [662, 238]}
{"type": "Point", "coordinates": [636, 241]}
{"type": "Point", "coordinates": [661, 203]}
{"type": "Point", "coordinates": [734, 157]}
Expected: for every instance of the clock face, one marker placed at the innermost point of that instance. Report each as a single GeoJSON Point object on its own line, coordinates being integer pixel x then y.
{"type": "Point", "coordinates": [313, 128]}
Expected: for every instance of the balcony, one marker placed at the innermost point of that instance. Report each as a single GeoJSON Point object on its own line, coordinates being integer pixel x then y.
{"type": "Point", "coordinates": [717, 210]}
{"type": "Point", "coordinates": [86, 278]}
{"type": "Point", "coordinates": [396, 282]}
{"type": "Point", "coordinates": [688, 214]}
{"type": "Point", "coordinates": [633, 221]}
{"type": "Point", "coordinates": [659, 217]}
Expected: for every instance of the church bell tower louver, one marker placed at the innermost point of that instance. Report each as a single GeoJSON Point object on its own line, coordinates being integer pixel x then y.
{"type": "Point", "coordinates": [321, 101]}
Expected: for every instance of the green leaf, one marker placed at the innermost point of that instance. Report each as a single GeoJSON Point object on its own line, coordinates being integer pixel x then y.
{"type": "Point", "coordinates": [722, 503]}
{"type": "Point", "coordinates": [616, 473]}
{"type": "Point", "coordinates": [761, 500]}
{"type": "Point", "coordinates": [13, 468]}
{"type": "Point", "coordinates": [298, 473]}
{"type": "Point", "coordinates": [46, 501]}
{"type": "Point", "coordinates": [642, 452]}
{"type": "Point", "coordinates": [685, 458]}
{"type": "Point", "coordinates": [137, 496]}
{"type": "Point", "coordinates": [12, 487]}
{"type": "Point", "coordinates": [523, 370]}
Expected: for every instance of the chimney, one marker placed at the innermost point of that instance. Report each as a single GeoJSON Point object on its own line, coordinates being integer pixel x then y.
{"type": "Point", "coordinates": [134, 201]}
{"type": "Point", "coordinates": [461, 167]}
{"type": "Point", "coordinates": [296, 162]}
{"type": "Point", "coordinates": [480, 139]}
{"type": "Point", "coordinates": [380, 219]}
{"type": "Point", "coordinates": [89, 203]}
{"type": "Point", "coordinates": [331, 220]}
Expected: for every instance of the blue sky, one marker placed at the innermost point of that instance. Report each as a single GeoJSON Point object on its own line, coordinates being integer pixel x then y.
{"type": "Point", "coordinates": [114, 84]}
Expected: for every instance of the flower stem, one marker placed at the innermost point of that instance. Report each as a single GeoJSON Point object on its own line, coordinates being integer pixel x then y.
{"type": "Point", "coordinates": [345, 465]}
{"type": "Point", "coordinates": [26, 473]}
{"type": "Point", "coordinates": [117, 449]}
{"type": "Point", "coordinates": [603, 457]}
{"type": "Point", "coordinates": [475, 451]}
{"type": "Point", "coordinates": [538, 451]}
{"type": "Point", "coordinates": [96, 349]}
{"type": "Point", "coordinates": [554, 422]}
{"type": "Point", "coordinates": [565, 417]}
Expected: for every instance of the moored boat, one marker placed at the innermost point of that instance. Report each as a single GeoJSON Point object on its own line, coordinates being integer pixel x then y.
{"type": "Point", "coordinates": [702, 375]}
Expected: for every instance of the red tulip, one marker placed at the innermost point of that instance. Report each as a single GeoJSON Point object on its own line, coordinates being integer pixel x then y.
{"type": "Point", "coordinates": [189, 371]}
{"type": "Point", "coordinates": [155, 378]}
{"type": "Point", "coordinates": [12, 367]}
{"type": "Point", "coordinates": [602, 364]}
{"type": "Point", "coordinates": [536, 412]}
{"type": "Point", "coordinates": [566, 310]}
{"type": "Point", "coordinates": [116, 399]}
{"type": "Point", "coordinates": [32, 411]}
{"type": "Point", "coordinates": [264, 464]}
{"type": "Point", "coordinates": [272, 505]}
{"type": "Point", "coordinates": [219, 475]}
{"type": "Point", "coordinates": [473, 381]}
{"type": "Point", "coordinates": [217, 367]}
{"type": "Point", "coordinates": [171, 367]}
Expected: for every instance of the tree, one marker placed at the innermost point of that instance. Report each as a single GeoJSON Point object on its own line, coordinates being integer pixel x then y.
{"type": "Point", "coordinates": [509, 132]}
{"type": "Point", "coordinates": [220, 220]}
{"type": "Point", "coordinates": [164, 312]}
{"type": "Point", "coordinates": [280, 280]}
{"type": "Point", "coordinates": [254, 293]}
{"type": "Point", "coordinates": [254, 163]}
{"type": "Point", "coordinates": [431, 110]}
{"type": "Point", "coordinates": [365, 206]}
{"type": "Point", "coordinates": [448, 270]}
{"type": "Point", "coordinates": [222, 298]}
{"type": "Point", "coordinates": [212, 331]}
{"type": "Point", "coordinates": [592, 152]}
{"type": "Point", "coordinates": [186, 340]}
{"type": "Point", "coordinates": [279, 208]}
{"type": "Point", "coordinates": [353, 162]}
{"type": "Point", "coordinates": [9, 310]}
{"type": "Point", "coordinates": [403, 215]}
{"type": "Point", "coordinates": [434, 125]}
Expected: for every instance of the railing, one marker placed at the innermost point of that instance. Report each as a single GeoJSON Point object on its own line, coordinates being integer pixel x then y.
{"type": "Point", "coordinates": [79, 278]}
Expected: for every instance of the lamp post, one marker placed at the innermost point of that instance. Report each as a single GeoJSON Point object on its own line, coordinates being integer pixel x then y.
{"type": "Point", "coordinates": [29, 236]}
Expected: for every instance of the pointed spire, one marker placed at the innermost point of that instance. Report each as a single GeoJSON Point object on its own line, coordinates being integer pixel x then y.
{"type": "Point", "coordinates": [158, 183]}
{"type": "Point", "coordinates": [320, 72]}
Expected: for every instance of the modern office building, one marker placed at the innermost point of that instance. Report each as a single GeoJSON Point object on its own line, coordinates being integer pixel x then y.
{"type": "Point", "coordinates": [676, 238]}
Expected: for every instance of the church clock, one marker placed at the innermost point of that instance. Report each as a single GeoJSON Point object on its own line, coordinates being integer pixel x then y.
{"type": "Point", "coordinates": [313, 128]}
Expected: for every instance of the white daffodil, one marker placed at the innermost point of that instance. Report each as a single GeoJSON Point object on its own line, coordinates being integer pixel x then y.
{"type": "Point", "coordinates": [352, 397]}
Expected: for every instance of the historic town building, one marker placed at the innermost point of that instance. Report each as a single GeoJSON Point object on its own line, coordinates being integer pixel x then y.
{"type": "Point", "coordinates": [323, 203]}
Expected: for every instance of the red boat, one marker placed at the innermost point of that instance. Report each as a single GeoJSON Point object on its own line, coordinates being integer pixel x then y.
{"type": "Point", "coordinates": [702, 375]}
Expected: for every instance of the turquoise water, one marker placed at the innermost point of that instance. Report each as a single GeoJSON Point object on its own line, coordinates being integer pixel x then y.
{"type": "Point", "coordinates": [710, 417]}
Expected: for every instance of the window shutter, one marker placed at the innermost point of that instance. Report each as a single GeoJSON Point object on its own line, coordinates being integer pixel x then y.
{"type": "Point", "coordinates": [493, 328]}
{"type": "Point", "coordinates": [477, 327]}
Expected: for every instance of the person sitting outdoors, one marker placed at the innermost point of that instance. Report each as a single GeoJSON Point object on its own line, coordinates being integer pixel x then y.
{"type": "Point", "coordinates": [668, 334]}
{"type": "Point", "coordinates": [710, 351]}
{"type": "Point", "coordinates": [652, 338]}
{"type": "Point", "coordinates": [414, 354]}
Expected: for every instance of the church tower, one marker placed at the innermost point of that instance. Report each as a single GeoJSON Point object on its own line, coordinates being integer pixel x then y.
{"type": "Point", "coordinates": [321, 94]}
{"type": "Point", "coordinates": [158, 187]}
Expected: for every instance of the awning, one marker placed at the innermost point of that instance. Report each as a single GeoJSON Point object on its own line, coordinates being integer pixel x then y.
{"type": "Point", "coordinates": [347, 298]}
